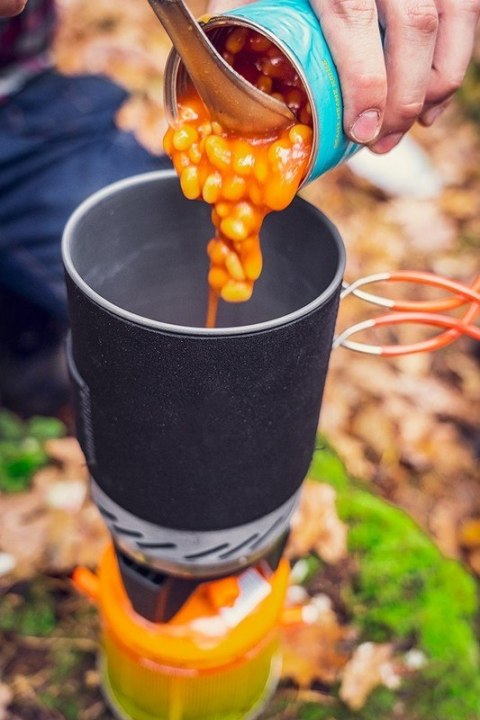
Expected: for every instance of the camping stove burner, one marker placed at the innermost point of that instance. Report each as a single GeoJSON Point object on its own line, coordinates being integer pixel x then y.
{"type": "Point", "coordinates": [193, 553]}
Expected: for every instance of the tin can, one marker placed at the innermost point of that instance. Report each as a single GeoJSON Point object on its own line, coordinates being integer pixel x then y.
{"type": "Point", "coordinates": [294, 28]}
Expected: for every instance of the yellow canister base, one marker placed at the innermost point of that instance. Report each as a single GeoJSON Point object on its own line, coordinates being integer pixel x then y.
{"type": "Point", "coordinates": [208, 698]}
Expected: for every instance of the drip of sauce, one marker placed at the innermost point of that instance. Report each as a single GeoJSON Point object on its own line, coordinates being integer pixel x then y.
{"type": "Point", "coordinates": [242, 178]}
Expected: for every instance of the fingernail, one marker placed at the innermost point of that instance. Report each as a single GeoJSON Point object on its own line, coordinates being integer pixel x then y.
{"type": "Point", "coordinates": [429, 117]}
{"type": "Point", "coordinates": [366, 127]}
{"type": "Point", "coordinates": [387, 143]}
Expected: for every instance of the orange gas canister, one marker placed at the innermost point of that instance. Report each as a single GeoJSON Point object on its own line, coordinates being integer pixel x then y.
{"type": "Point", "coordinates": [217, 658]}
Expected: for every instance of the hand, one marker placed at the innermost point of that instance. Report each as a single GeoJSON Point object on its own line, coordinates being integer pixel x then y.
{"type": "Point", "coordinates": [428, 45]}
{"type": "Point", "coordinates": [413, 76]}
{"type": "Point", "coordinates": [9, 8]}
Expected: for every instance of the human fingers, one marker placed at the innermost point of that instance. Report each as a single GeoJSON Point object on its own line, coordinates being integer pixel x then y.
{"type": "Point", "coordinates": [410, 36]}
{"type": "Point", "coordinates": [455, 40]}
{"type": "Point", "coordinates": [352, 32]}
{"type": "Point", "coordinates": [9, 8]}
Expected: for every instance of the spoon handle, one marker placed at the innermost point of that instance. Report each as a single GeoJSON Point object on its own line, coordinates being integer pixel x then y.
{"type": "Point", "coordinates": [200, 58]}
{"type": "Point", "coordinates": [232, 101]}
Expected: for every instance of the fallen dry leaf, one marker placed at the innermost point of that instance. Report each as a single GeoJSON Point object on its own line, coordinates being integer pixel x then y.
{"type": "Point", "coordinates": [368, 667]}
{"type": "Point", "coordinates": [316, 525]}
{"type": "Point", "coordinates": [75, 539]}
{"type": "Point", "coordinates": [23, 530]}
{"type": "Point", "coordinates": [381, 436]}
{"type": "Point", "coordinates": [470, 534]}
{"type": "Point", "coordinates": [317, 650]}
{"type": "Point", "coordinates": [7, 563]}
{"type": "Point", "coordinates": [474, 561]}
{"type": "Point", "coordinates": [53, 527]}
{"type": "Point", "coordinates": [67, 495]}
{"type": "Point", "coordinates": [443, 521]}
{"type": "Point", "coordinates": [460, 203]}
{"type": "Point", "coordinates": [6, 697]}
{"type": "Point", "coordinates": [68, 453]}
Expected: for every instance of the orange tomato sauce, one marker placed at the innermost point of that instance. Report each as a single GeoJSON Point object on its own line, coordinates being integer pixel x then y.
{"type": "Point", "coordinates": [243, 178]}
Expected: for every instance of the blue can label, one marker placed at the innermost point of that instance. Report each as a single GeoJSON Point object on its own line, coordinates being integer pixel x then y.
{"type": "Point", "coordinates": [295, 25]}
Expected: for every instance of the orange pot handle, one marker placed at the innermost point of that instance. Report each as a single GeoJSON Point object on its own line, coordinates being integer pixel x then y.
{"type": "Point", "coordinates": [86, 582]}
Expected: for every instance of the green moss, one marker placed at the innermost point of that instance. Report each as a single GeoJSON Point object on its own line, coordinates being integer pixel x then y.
{"type": "Point", "coordinates": [67, 705]}
{"type": "Point", "coordinates": [406, 590]}
{"type": "Point", "coordinates": [33, 614]}
{"type": "Point", "coordinates": [21, 448]}
{"type": "Point", "coordinates": [44, 428]}
{"type": "Point", "coordinates": [379, 707]}
{"type": "Point", "coordinates": [65, 660]}
{"type": "Point", "coordinates": [327, 464]}
{"type": "Point", "coordinates": [314, 711]}
{"type": "Point", "coordinates": [11, 427]}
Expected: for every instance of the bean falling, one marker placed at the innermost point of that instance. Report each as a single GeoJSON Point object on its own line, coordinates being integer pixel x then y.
{"type": "Point", "coordinates": [243, 178]}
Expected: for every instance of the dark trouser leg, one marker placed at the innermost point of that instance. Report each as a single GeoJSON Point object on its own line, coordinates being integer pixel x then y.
{"type": "Point", "coordinates": [58, 144]}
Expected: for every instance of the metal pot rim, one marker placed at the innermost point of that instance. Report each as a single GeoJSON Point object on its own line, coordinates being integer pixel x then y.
{"type": "Point", "coordinates": [101, 195]}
